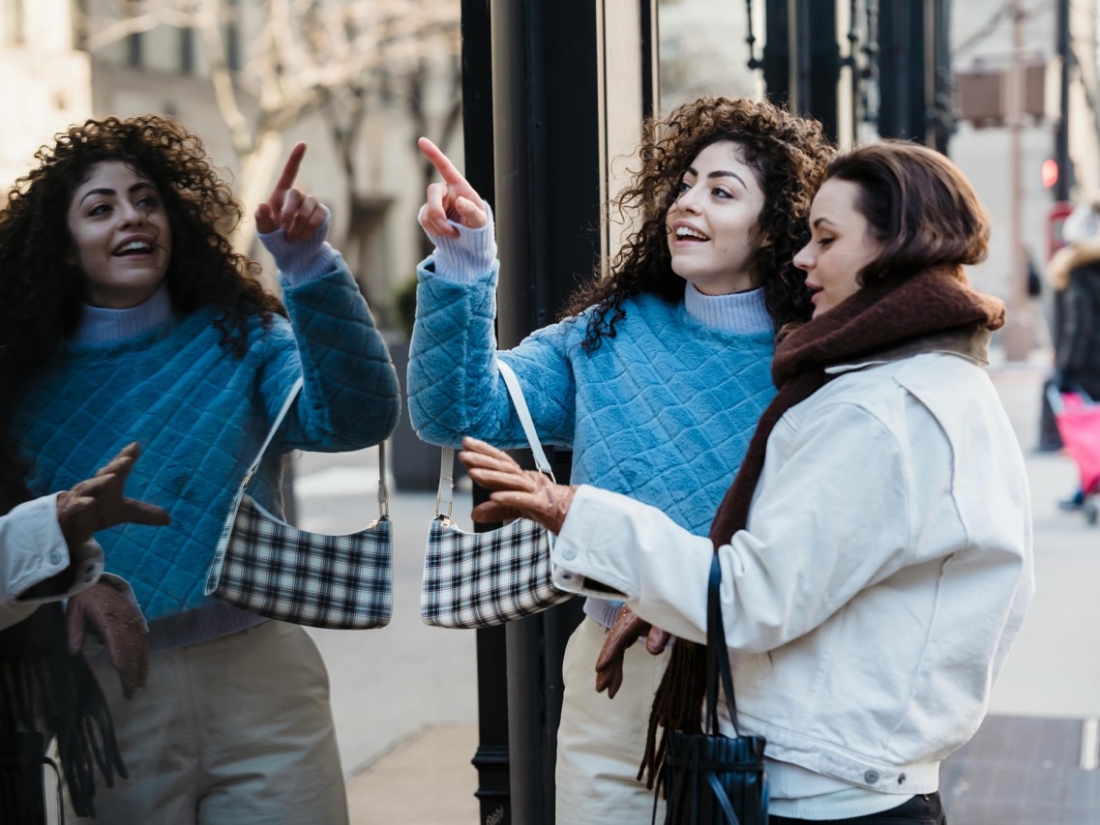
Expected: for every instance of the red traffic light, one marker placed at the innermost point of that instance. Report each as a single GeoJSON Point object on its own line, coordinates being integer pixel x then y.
{"type": "Point", "coordinates": [1050, 172]}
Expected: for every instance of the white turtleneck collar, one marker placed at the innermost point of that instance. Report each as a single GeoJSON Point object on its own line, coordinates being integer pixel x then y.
{"type": "Point", "coordinates": [741, 312]}
{"type": "Point", "coordinates": [100, 325]}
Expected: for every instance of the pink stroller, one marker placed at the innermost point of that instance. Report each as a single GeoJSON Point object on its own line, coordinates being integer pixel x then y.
{"type": "Point", "coordinates": [1078, 420]}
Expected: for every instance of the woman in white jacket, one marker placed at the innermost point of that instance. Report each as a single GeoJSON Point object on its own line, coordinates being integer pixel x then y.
{"type": "Point", "coordinates": [876, 544]}
{"type": "Point", "coordinates": [47, 689]}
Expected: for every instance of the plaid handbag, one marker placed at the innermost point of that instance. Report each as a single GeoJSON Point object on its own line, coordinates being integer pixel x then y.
{"type": "Point", "coordinates": [484, 579]}
{"type": "Point", "coordinates": [264, 565]}
{"type": "Point", "coordinates": [710, 778]}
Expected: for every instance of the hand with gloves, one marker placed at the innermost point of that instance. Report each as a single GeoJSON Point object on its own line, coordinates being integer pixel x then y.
{"type": "Point", "coordinates": [100, 502]}
{"type": "Point", "coordinates": [628, 628]}
{"type": "Point", "coordinates": [519, 493]}
{"type": "Point", "coordinates": [114, 616]}
{"type": "Point", "coordinates": [92, 505]}
{"type": "Point", "coordinates": [516, 493]}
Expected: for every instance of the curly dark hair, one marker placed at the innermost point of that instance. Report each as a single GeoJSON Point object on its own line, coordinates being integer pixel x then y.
{"type": "Point", "coordinates": [787, 153]}
{"type": "Point", "coordinates": [41, 288]}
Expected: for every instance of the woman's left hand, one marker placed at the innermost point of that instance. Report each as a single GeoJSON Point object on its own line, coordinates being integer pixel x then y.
{"type": "Point", "coordinates": [517, 493]}
{"type": "Point", "coordinates": [117, 620]}
{"type": "Point", "coordinates": [628, 628]}
{"type": "Point", "coordinates": [288, 208]}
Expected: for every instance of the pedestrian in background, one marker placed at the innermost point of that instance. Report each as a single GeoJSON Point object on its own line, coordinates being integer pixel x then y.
{"type": "Point", "coordinates": [654, 378]}
{"type": "Point", "coordinates": [1074, 276]}
{"type": "Point", "coordinates": [126, 316]}
{"type": "Point", "coordinates": [875, 546]}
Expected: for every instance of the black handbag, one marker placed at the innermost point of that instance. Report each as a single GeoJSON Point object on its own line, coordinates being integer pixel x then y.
{"type": "Point", "coordinates": [712, 779]}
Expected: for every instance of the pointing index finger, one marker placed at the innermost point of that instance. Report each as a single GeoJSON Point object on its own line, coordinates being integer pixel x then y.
{"type": "Point", "coordinates": [441, 162]}
{"type": "Point", "coordinates": [290, 170]}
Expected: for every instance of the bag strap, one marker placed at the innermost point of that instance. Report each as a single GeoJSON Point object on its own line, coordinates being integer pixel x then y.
{"type": "Point", "coordinates": [520, 403]}
{"type": "Point", "coordinates": [383, 489]}
{"type": "Point", "coordinates": [718, 658]}
{"type": "Point", "coordinates": [445, 493]}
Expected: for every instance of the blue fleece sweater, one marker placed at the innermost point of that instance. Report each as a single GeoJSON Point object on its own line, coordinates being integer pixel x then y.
{"type": "Point", "coordinates": [200, 415]}
{"type": "Point", "coordinates": [662, 412]}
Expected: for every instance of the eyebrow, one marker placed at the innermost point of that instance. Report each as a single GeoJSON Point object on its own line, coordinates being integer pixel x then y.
{"type": "Point", "coordinates": [822, 220]}
{"type": "Point", "coordinates": [141, 184]}
{"type": "Point", "coordinates": [722, 173]}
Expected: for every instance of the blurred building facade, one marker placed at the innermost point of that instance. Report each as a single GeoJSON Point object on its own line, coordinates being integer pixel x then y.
{"type": "Point", "coordinates": [67, 60]}
{"type": "Point", "coordinates": [703, 51]}
{"type": "Point", "coordinates": [46, 82]}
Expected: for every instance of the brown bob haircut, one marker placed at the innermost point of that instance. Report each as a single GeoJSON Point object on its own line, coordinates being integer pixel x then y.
{"type": "Point", "coordinates": [918, 204]}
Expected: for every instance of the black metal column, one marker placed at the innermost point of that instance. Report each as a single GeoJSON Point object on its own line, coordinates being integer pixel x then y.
{"type": "Point", "coordinates": [941, 119]}
{"type": "Point", "coordinates": [532, 113]}
{"type": "Point", "coordinates": [547, 166]}
{"type": "Point", "coordinates": [491, 759]}
{"type": "Point", "coordinates": [807, 84]}
{"type": "Point", "coordinates": [777, 51]}
{"type": "Point", "coordinates": [1064, 183]}
{"type": "Point", "coordinates": [901, 69]}
{"type": "Point", "coordinates": [545, 80]}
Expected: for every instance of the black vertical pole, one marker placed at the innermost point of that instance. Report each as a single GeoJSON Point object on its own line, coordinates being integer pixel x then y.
{"type": "Point", "coordinates": [491, 758]}
{"type": "Point", "coordinates": [1064, 183]}
{"type": "Point", "coordinates": [903, 91]}
{"type": "Point", "coordinates": [649, 63]}
{"type": "Point", "coordinates": [547, 168]}
{"type": "Point", "coordinates": [532, 108]}
{"type": "Point", "coordinates": [808, 82]}
{"type": "Point", "coordinates": [941, 122]}
{"type": "Point", "coordinates": [777, 51]}
{"type": "Point", "coordinates": [818, 19]}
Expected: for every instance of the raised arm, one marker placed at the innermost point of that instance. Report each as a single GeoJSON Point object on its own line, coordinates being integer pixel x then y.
{"type": "Point", "coordinates": [454, 387]}
{"type": "Point", "coordinates": [350, 398]}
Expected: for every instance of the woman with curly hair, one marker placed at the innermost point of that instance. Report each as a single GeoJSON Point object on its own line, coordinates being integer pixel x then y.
{"type": "Point", "coordinates": [126, 316]}
{"type": "Point", "coordinates": [655, 377]}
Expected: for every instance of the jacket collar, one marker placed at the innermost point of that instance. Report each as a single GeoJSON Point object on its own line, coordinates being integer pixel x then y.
{"type": "Point", "coordinates": [972, 344]}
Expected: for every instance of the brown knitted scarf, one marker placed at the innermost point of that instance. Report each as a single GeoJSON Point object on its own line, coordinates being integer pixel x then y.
{"type": "Point", "coordinates": [889, 320]}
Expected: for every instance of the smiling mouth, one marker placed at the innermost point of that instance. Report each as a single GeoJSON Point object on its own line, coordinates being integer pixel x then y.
{"type": "Point", "coordinates": [134, 248]}
{"type": "Point", "coordinates": [684, 233]}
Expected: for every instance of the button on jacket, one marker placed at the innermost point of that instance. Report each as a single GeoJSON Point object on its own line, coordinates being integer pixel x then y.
{"type": "Point", "coordinates": [883, 574]}
{"type": "Point", "coordinates": [32, 550]}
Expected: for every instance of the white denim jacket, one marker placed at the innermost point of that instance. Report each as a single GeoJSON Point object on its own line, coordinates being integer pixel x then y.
{"type": "Point", "coordinates": [884, 572]}
{"type": "Point", "coordinates": [32, 549]}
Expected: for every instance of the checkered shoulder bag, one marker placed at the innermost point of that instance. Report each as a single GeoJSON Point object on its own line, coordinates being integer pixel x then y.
{"type": "Point", "coordinates": [484, 579]}
{"type": "Point", "coordinates": [264, 565]}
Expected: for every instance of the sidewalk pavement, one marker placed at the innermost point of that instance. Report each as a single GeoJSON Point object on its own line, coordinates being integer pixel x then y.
{"type": "Point", "coordinates": [427, 778]}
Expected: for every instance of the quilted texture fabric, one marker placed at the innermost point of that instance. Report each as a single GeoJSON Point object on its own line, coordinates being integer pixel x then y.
{"type": "Point", "coordinates": [485, 579]}
{"type": "Point", "coordinates": [268, 567]}
{"type": "Point", "coordinates": [201, 415]}
{"type": "Point", "coordinates": [663, 412]}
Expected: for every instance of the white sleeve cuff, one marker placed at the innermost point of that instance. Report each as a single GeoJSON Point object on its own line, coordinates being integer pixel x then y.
{"type": "Point", "coordinates": [469, 256]}
{"type": "Point", "coordinates": [303, 260]}
{"type": "Point", "coordinates": [611, 545]}
{"type": "Point", "coordinates": [33, 549]}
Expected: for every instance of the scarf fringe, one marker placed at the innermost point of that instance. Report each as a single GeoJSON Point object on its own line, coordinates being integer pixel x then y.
{"type": "Point", "coordinates": [43, 686]}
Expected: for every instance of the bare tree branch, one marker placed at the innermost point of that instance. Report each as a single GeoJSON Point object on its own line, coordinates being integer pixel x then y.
{"type": "Point", "coordinates": [332, 56]}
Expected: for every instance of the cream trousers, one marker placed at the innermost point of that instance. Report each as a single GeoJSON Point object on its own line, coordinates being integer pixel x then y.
{"type": "Point", "coordinates": [234, 731]}
{"type": "Point", "coordinates": [601, 740]}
